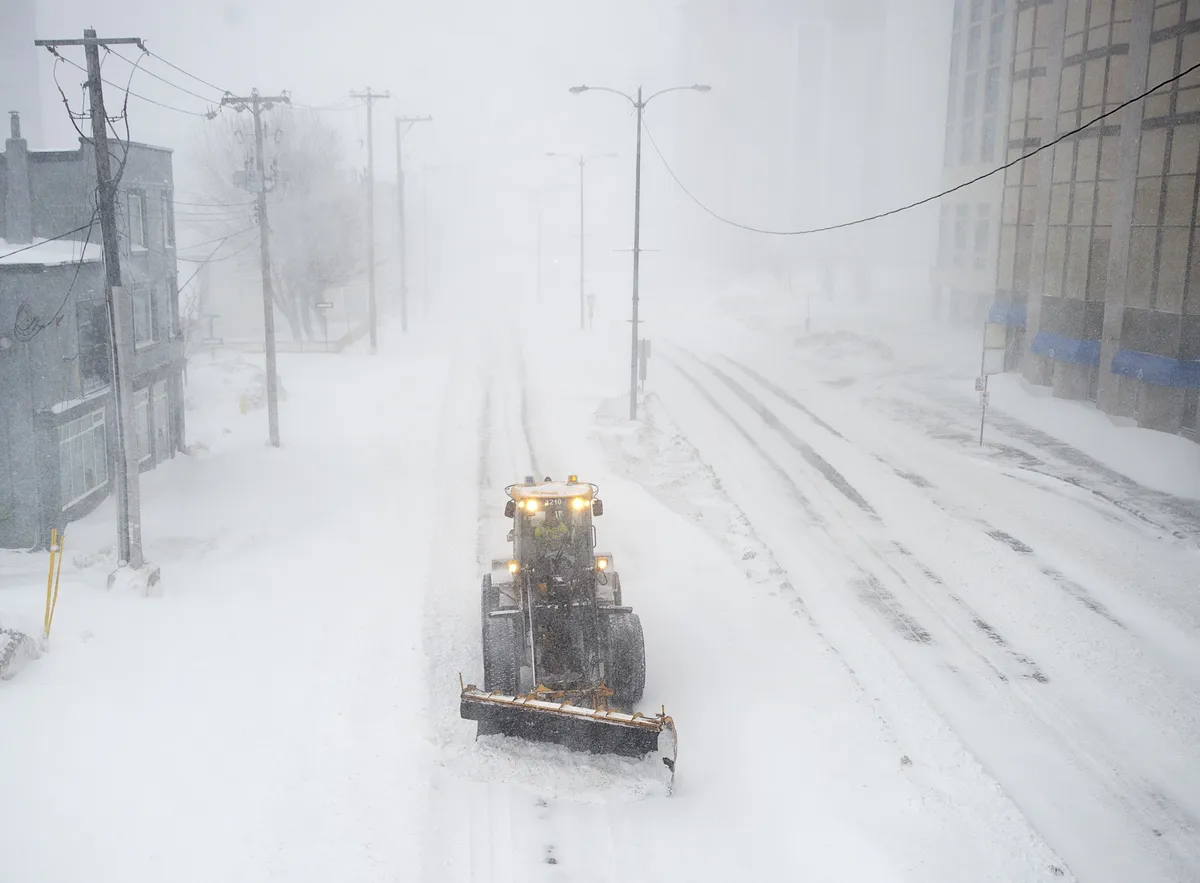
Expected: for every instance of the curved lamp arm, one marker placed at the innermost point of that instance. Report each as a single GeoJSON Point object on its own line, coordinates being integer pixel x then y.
{"type": "Point", "coordinates": [697, 87]}
{"type": "Point", "coordinates": [575, 90]}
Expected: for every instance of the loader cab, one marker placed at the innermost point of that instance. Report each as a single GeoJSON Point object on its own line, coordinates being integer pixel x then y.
{"type": "Point", "coordinates": [553, 532]}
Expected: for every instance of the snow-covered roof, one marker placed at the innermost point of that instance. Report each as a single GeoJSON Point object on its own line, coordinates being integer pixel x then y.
{"type": "Point", "coordinates": [551, 490]}
{"type": "Point", "coordinates": [49, 252]}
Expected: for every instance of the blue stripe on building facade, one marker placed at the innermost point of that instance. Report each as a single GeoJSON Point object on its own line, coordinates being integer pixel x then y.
{"type": "Point", "coordinates": [1061, 348]}
{"type": "Point", "coordinates": [1157, 370]}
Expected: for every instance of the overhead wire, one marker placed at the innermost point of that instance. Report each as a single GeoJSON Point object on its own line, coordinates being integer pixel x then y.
{"type": "Point", "coordinates": [920, 202]}
{"type": "Point", "coordinates": [206, 115]}
{"type": "Point", "coordinates": [35, 326]}
{"type": "Point", "coordinates": [44, 241]}
{"type": "Point", "coordinates": [176, 67]}
{"type": "Point", "coordinates": [161, 79]}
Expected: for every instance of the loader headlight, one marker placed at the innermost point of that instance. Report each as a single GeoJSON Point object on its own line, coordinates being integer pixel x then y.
{"type": "Point", "coordinates": [578, 503]}
{"type": "Point", "coordinates": [512, 567]}
{"type": "Point", "coordinates": [601, 563]}
{"type": "Point", "coordinates": [531, 505]}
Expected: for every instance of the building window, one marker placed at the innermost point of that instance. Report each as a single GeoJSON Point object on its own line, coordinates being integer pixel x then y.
{"type": "Point", "coordinates": [142, 295]}
{"type": "Point", "coordinates": [91, 325]}
{"type": "Point", "coordinates": [168, 221]}
{"type": "Point", "coordinates": [961, 225]}
{"type": "Point", "coordinates": [141, 418]}
{"type": "Point", "coordinates": [983, 230]}
{"type": "Point", "coordinates": [162, 422]}
{"type": "Point", "coordinates": [137, 219]}
{"type": "Point", "coordinates": [82, 457]}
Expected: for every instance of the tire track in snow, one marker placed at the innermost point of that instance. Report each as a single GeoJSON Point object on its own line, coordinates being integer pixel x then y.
{"type": "Point", "coordinates": [1142, 801]}
{"type": "Point", "coordinates": [788, 482]}
{"type": "Point", "coordinates": [866, 585]}
{"type": "Point", "coordinates": [1070, 587]}
{"type": "Point", "coordinates": [810, 456]}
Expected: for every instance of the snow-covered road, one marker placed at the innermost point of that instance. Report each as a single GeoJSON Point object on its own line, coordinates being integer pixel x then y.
{"type": "Point", "coordinates": [890, 655]}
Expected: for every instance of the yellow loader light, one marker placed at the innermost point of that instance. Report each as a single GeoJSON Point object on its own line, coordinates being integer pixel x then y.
{"type": "Point", "coordinates": [520, 504]}
{"type": "Point", "coordinates": [602, 563]}
{"type": "Point", "coordinates": [531, 505]}
{"type": "Point", "coordinates": [512, 567]}
{"type": "Point", "coordinates": [578, 503]}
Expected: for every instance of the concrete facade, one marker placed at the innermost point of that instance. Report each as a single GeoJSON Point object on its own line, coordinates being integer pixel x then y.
{"type": "Point", "coordinates": [57, 413]}
{"type": "Point", "coordinates": [969, 227]}
{"type": "Point", "coordinates": [1097, 270]}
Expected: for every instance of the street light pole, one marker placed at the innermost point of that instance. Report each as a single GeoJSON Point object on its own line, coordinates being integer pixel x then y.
{"type": "Point", "coordinates": [582, 162]}
{"type": "Point", "coordinates": [640, 104]}
{"type": "Point", "coordinates": [637, 252]}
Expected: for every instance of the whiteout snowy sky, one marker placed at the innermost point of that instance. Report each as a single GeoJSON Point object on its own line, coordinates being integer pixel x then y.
{"type": "Point", "coordinates": [495, 76]}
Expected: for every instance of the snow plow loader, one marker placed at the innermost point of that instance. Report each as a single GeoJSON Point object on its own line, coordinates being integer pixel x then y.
{"type": "Point", "coordinates": [564, 658]}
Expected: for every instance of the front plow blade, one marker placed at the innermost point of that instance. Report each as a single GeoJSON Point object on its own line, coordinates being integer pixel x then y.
{"type": "Point", "coordinates": [576, 727]}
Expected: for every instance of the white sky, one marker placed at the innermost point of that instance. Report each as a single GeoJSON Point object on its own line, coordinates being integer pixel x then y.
{"type": "Point", "coordinates": [494, 75]}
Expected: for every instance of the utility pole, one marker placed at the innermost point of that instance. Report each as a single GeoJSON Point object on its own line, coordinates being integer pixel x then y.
{"type": "Point", "coordinates": [257, 104]}
{"type": "Point", "coordinates": [539, 246]}
{"type": "Point", "coordinates": [637, 251]}
{"type": "Point", "coordinates": [371, 97]}
{"type": "Point", "coordinates": [425, 239]}
{"type": "Point", "coordinates": [403, 124]}
{"type": "Point", "coordinates": [582, 162]}
{"type": "Point", "coordinates": [129, 510]}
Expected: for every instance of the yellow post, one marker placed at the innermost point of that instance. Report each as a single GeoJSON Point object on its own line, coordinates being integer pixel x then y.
{"type": "Point", "coordinates": [50, 581]}
{"type": "Point", "coordinates": [62, 542]}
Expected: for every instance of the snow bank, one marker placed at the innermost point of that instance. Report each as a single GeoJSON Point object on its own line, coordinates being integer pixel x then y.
{"type": "Point", "coordinates": [1158, 460]}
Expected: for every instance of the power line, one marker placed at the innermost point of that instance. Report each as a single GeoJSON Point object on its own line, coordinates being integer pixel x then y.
{"type": "Point", "coordinates": [35, 326]}
{"type": "Point", "coordinates": [213, 260]}
{"type": "Point", "coordinates": [214, 204]}
{"type": "Point", "coordinates": [176, 67]}
{"type": "Point", "coordinates": [126, 237]}
{"type": "Point", "coordinates": [156, 76]}
{"type": "Point", "coordinates": [927, 199]}
{"type": "Point", "coordinates": [191, 113]}
{"type": "Point", "coordinates": [87, 227]}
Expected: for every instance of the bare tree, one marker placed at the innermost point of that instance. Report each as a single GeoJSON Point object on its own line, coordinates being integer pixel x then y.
{"type": "Point", "coordinates": [315, 205]}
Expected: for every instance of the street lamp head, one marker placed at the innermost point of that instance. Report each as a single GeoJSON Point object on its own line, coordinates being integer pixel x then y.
{"type": "Point", "coordinates": [700, 87]}
{"type": "Point", "coordinates": [575, 90]}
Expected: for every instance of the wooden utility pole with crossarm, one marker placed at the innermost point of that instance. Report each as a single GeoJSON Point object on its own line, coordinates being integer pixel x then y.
{"type": "Point", "coordinates": [258, 184]}
{"type": "Point", "coordinates": [371, 97]}
{"type": "Point", "coordinates": [121, 346]}
{"type": "Point", "coordinates": [403, 124]}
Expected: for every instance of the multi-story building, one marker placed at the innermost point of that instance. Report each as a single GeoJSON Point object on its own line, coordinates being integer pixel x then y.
{"type": "Point", "coordinates": [1097, 267]}
{"type": "Point", "coordinates": [975, 137]}
{"type": "Point", "coordinates": [57, 413]}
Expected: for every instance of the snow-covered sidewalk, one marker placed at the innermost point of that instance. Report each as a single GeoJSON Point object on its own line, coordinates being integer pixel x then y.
{"type": "Point", "coordinates": [263, 717]}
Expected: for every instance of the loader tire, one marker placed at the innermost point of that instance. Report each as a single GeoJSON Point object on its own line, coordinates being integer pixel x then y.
{"type": "Point", "coordinates": [627, 659]}
{"type": "Point", "coordinates": [489, 600]}
{"type": "Point", "coordinates": [501, 661]}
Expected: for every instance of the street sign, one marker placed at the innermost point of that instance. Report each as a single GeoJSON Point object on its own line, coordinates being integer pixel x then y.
{"type": "Point", "coordinates": [980, 384]}
{"type": "Point", "coordinates": [324, 305]}
{"type": "Point", "coordinates": [995, 346]}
